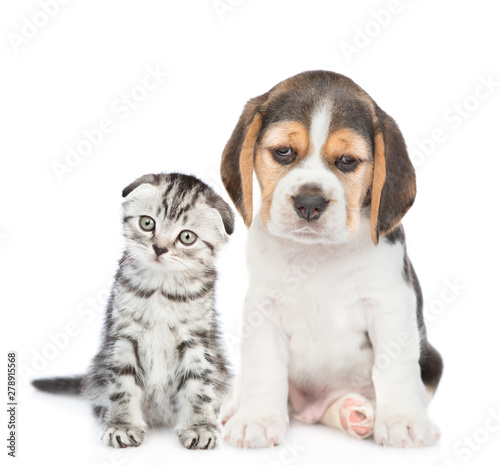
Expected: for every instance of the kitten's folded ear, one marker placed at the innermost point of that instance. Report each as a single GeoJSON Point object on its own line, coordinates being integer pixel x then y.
{"type": "Point", "coordinates": [225, 211]}
{"type": "Point", "coordinates": [153, 179]}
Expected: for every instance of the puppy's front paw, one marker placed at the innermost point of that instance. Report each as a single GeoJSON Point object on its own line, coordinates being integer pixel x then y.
{"type": "Point", "coordinates": [256, 430]}
{"type": "Point", "coordinates": [200, 436]}
{"type": "Point", "coordinates": [121, 435]}
{"type": "Point", "coordinates": [414, 429]}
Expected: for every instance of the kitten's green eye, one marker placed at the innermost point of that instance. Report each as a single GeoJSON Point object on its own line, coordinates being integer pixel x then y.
{"type": "Point", "coordinates": [187, 237]}
{"type": "Point", "coordinates": [147, 223]}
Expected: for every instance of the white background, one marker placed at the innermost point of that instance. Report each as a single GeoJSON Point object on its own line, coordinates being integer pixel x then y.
{"type": "Point", "coordinates": [60, 238]}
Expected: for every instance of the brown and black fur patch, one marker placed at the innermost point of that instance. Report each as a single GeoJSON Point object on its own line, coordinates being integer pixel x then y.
{"type": "Point", "coordinates": [391, 189]}
{"type": "Point", "coordinates": [431, 362]}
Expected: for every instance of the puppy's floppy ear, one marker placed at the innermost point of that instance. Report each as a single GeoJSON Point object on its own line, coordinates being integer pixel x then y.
{"type": "Point", "coordinates": [146, 179]}
{"type": "Point", "coordinates": [394, 187]}
{"type": "Point", "coordinates": [237, 158]}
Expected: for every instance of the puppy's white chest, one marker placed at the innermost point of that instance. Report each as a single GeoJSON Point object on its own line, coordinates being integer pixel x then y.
{"type": "Point", "coordinates": [327, 337]}
{"type": "Point", "coordinates": [322, 298]}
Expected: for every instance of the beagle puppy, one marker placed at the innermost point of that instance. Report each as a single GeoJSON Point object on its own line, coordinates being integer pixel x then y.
{"type": "Point", "coordinates": [333, 323]}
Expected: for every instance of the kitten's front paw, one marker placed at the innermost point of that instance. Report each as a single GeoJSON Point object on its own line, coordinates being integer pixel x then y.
{"type": "Point", "coordinates": [122, 435]}
{"type": "Point", "coordinates": [413, 429]}
{"type": "Point", "coordinates": [256, 430]}
{"type": "Point", "coordinates": [200, 436]}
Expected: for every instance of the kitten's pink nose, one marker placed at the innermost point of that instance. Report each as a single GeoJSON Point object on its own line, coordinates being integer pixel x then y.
{"type": "Point", "coordinates": [159, 250]}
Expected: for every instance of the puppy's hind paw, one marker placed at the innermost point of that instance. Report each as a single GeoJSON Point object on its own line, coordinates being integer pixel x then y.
{"type": "Point", "coordinates": [357, 416]}
{"type": "Point", "coordinates": [353, 413]}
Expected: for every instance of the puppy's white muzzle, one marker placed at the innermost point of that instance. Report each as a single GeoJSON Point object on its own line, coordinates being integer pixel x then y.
{"type": "Point", "coordinates": [309, 206]}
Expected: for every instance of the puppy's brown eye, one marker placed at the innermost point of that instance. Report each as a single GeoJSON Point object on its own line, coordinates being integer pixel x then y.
{"type": "Point", "coordinates": [284, 151]}
{"type": "Point", "coordinates": [284, 155]}
{"type": "Point", "coordinates": [346, 163]}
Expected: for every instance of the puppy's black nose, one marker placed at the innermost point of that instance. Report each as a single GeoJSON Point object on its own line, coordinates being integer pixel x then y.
{"type": "Point", "coordinates": [309, 207]}
{"type": "Point", "coordinates": [159, 250]}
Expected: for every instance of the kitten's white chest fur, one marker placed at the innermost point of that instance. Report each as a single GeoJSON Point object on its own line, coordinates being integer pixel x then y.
{"type": "Point", "coordinates": [159, 341]}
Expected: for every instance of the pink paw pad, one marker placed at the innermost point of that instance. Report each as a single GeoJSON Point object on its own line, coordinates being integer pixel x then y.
{"type": "Point", "coordinates": [357, 415]}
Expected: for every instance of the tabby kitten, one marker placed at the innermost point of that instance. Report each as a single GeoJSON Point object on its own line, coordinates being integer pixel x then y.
{"type": "Point", "coordinates": [161, 360]}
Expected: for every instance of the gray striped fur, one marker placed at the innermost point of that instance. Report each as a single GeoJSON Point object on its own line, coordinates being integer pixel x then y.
{"type": "Point", "coordinates": [161, 361]}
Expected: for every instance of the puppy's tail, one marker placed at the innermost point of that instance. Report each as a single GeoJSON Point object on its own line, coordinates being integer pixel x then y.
{"type": "Point", "coordinates": [62, 385]}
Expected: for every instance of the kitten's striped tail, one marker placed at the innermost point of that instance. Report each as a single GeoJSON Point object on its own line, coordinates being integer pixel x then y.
{"type": "Point", "coordinates": [62, 385]}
